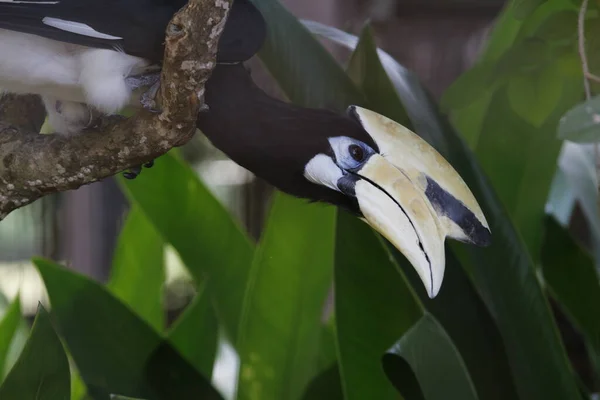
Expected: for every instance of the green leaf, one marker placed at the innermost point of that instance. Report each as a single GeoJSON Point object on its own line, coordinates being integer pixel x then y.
{"type": "Point", "coordinates": [328, 342]}
{"type": "Point", "coordinates": [518, 158]}
{"type": "Point", "coordinates": [325, 386]}
{"type": "Point", "coordinates": [582, 122]}
{"type": "Point", "coordinates": [18, 338]}
{"type": "Point", "coordinates": [534, 96]}
{"type": "Point", "coordinates": [289, 281]}
{"type": "Point", "coordinates": [504, 275]}
{"type": "Point", "coordinates": [78, 389]}
{"type": "Point", "coordinates": [505, 31]}
{"type": "Point", "coordinates": [524, 8]}
{"type": "Point", "coordinates": [208, 240]}
{"type": "Point", "coordinates": [116, 351]}
{"type": "Point", "coordinates": [138, 269]}
{"type": "Point", "coordinates": [464, 316]}
{"type": "Point", "coordinates": [8, 328]}
{"type": "Point", "coordinates": [42, 370]}
{"type": "Point", "coordinates": [528, 55]}
{"type": "Point", "coordinates": [559, 26]}
{"type": "Point", "coordinates": [195, 333]}
{"type": "Point", "coordinates": [373, 306]}
{"type": "Point", "coordinates": [287, 65]}
{"type": "Point", "coordinates": [572, 279]}
{"type": "Point", "coordinates": [469, 87]}
{"type": "Point", "coordinates": [458, 306]}
{"type": "Point", "coordinates": [426, 365]}
{"type": "Point", "coordinates": [367, 73]}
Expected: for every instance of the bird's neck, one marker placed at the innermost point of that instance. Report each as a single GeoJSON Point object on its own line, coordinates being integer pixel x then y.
{"type": "Point", "coordinates": [272, 138]}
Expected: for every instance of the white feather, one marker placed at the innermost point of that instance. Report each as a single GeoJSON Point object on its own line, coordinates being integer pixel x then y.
{"type": "Point", "coordinates": [77, 28]}
{"type": "Point", "coordinates": [322, 170]}
{"type": "Point", "coordinates": [67, 72]}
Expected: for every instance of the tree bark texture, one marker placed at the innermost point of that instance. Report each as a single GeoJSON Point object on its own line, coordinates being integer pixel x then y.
{"type": "Point", "coordinates": [33, 165]}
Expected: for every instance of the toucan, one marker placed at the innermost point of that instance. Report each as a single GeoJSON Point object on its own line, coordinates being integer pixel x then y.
{"type": "Point", "coordinates": [359, 160]}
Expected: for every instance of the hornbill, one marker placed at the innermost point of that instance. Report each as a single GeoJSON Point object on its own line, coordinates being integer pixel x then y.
{"type": "Point", "coordinates": [360, 161]}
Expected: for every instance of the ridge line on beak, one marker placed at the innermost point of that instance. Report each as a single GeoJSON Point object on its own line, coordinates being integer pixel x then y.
{"type": "Point", "coordinates": [412, 223]}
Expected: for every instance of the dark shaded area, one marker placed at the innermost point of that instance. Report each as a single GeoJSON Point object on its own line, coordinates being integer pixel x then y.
{"type": "Point", "coordinates": [402, 376]}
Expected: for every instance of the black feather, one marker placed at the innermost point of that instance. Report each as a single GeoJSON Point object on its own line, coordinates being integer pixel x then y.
{"type": "Point", "coordinates": [141, 24]}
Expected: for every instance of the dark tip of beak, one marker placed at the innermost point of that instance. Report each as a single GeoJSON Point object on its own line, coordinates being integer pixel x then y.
{"type": "Point", "coordinates": [447, 205]}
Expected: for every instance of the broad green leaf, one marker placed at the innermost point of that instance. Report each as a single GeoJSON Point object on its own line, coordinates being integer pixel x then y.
{"type": "Point", "coordinates": [526, 56]}
{"type": "Point", "coordinates": [524, 8]}
{"type": "Point", "coordinates": [373, 306]}
{"type": "Point", "coordinates": [208, 240]}
{"type": "Point", "coordinates": [138, 274]}
{"type": "Point", "coordinates": [463, 315]}
{"type": "Point", "coordinates": [325, 386]}
{"type": "Point", "coordinates": [559, 26]}
{"type": "Point", "coordinates": [504, 275]}
{"type": "Point", "coordinates": [534, 96]}
{"type": "Point", "coordinates": [195, 333]}
{"type": "Point", "coordinates": [291, 274]}
{"type": "Point", "coordinates": [582, 122]}
{"type": "Point", "coordinates": [367, 73]}
{"type": "Point", "coordinates": [572, 279]}
{"type": "Point", "coordinates": [115, 350]}
{"type": "Point", "coordinates": [518, 157]}
{"type": "Point", "coordinates": [328, 342]}
{"type": "Point", "coordinates": [288, 64]}
{"type": "Point", "coordinates": [42, 370]}
{"type": "Point", "coordinates": [458, 306]}
{"type": "Point", "coordinates": [426, 365]}
{"type": "Point", "coordinates": [469, 87]}
{"type": "Point", "coordinates": [511, 127]}
{"type": "Point", "coordinates": [78, 389]}
{"type": "Point", "coordinates": [8, 327]}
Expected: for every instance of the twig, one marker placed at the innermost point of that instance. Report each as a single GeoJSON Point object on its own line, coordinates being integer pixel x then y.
{"type": "Point", "coordinates": [582, 52]}
{"type": "Point", "coordinates": [592, 77]}
{"type": "Point", "coordinates": [34, 165]}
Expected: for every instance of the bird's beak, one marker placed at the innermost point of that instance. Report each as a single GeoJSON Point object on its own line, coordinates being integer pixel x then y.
{"type": "Point", "coordinates": [412, 196]}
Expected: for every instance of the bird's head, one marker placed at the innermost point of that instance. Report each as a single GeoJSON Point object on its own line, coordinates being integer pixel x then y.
{"type": "Point", "coordinates": [361, 161]}
{"type": "Point", "coordinates": [402, 187]}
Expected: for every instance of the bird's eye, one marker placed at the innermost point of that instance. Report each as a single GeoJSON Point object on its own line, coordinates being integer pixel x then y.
{"type": "Point", "coordinates": [350, 154]}
{"type": "Point", "coordinates": [356, 152]}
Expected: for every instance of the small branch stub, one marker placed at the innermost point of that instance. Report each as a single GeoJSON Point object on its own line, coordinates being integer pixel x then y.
{"type": "Point", "coordinates": [34, 165]}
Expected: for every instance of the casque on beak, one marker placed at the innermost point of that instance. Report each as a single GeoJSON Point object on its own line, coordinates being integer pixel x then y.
{"type": "Point", "coordinates": [413, 197]}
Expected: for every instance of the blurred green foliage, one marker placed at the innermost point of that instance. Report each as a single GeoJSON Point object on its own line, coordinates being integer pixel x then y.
{"type": "Point", "coordinates": [490, 334]}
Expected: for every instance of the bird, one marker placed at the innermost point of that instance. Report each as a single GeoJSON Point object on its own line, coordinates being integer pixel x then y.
{"type": "Point", "coordinates": [358, 160]}
{"type": "Point", "coordinates": [86, 57]}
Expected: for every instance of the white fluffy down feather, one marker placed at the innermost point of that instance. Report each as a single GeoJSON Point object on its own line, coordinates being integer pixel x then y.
{"type": "Point", "coordinates": [68, 77]}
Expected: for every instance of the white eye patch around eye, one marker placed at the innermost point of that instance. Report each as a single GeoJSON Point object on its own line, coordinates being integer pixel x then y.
{"type": "Point", "coordinates": [323, 171]}
{"type": "Point", "coordinates": [340, 146]}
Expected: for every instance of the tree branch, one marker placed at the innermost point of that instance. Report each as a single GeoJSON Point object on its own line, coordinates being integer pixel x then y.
{"type": "Point", "coordinates": [34, 165]}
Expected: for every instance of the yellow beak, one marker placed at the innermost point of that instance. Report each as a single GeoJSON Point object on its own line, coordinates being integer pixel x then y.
{"type": "Point", "coordinates": [413, 197]}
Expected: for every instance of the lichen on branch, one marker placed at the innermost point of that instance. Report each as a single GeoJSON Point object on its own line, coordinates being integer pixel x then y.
{"type": "Point", "coordinates": [34, 165]}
